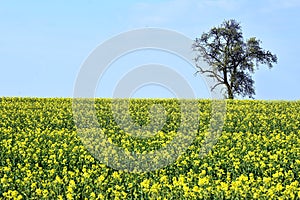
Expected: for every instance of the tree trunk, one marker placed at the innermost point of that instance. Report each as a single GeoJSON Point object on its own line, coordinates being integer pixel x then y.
{"type": "Point", "coordinates": [229, 92]}
{"type": "Point", "coordinates": [229, 89]}
{"type": "Point", "coordinates": [230, 95]}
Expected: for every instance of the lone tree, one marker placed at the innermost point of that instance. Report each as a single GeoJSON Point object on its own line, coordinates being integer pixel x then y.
{"type": "Point", "coordinates": [232, 59]}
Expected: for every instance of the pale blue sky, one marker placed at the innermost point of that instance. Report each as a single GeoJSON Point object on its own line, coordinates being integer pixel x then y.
{"type": "Point", "coordinates": [43, 44]}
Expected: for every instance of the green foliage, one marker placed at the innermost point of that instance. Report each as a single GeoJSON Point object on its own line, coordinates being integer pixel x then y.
{"type": "Point", "coordinates": [256, 157]}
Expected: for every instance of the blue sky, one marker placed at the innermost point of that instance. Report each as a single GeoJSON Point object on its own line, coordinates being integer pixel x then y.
{"type": "Point", "coordinates": [44, 43]}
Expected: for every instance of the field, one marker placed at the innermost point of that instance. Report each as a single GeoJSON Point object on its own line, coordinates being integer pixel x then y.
{"type": "Point", "coordinates": [257, 155]}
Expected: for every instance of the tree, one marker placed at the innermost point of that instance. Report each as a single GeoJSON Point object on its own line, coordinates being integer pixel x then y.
{"type": "Point", "coordinates": [232, 59]}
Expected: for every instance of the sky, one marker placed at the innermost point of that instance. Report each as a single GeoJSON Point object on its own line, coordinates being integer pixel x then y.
{"type": "Point", "coordinates": [43, 44]}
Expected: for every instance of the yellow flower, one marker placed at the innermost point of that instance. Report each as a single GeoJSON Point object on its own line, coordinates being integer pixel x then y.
{"type": "Point", "coordinates": [181, 180]}
{"type": "Point", "coordinates": [38, 191]}
{"type": "Point", "coordinates": [69, 196]}
{"type": "Point", "coordinates": [3, 180]}
{"type": "Point", "coordinates": [155, 188]}
{"type": "Point", "coordinates": [6, 169]}
{"type": "Point", "coordinates": [33, 185]}
{"type": "Point", "coordinates": [202, 181]}
{"type": "Point", "coordinates": [130, 185]}
{"type": "Point", "coordinates": [145, 184]}
{"type": "Point", "coordinates": [203, 172]}
{"type": "Point", "coordinates": [45, 193]}
{"type": "Point", "coordinates": [164, 179]}
{"type": "Point", "coordinates": [256, 195]}
{"type": "Point", "coordinates": [123, 194]}
{"type": "Point", "coordinates": [116, 175]}
{"type": "Point", "coordinates": [243, 178]}
{"type": "Point", "coordinates": [224, 186]}
{"type": "Point", "coordinates": [100, 179]}
{"type": "Point", "coordinates": [72, 184]}
{"type": "Point", "coordinates": [58, 180]}
{"type": "Point", "coordinates": [279, 187]}
{"type": "Point", "coordinates": [196, 189]}
{"type": "Point", "coordinates": [93, 195]}
{"type": "Point", "coordinates": [266, 180]}
{"type": "Point", "coordinates": [186, 190]}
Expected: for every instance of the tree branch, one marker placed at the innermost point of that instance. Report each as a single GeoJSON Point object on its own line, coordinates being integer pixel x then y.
{"type": "Point", "coordinates": [220, 83]}
{"type": "Point", "coordinates": [217, 76]}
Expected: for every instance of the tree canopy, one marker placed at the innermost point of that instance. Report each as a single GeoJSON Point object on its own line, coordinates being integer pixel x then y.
{"type": "Point", "coordinates": [232, 60]}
